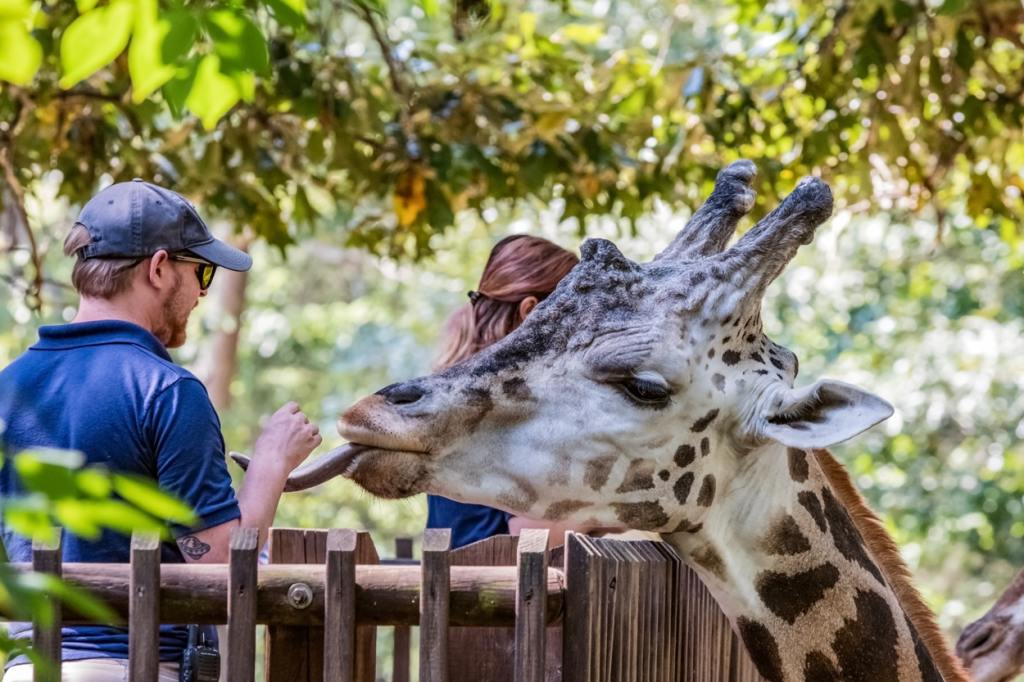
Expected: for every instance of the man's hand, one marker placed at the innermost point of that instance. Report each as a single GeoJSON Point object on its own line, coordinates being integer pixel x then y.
{"type": "Point", "coordinates": [287, 439]}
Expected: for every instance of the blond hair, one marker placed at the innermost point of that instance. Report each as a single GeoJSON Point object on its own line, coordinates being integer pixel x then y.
{"type": "Point", "coordinates": [97, 277]}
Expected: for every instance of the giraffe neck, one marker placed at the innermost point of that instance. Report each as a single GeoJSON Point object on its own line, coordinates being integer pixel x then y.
{"type": "Point", "coordinates": [790, 569]}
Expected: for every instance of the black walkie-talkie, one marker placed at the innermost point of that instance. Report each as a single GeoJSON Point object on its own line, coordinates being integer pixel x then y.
{"type": "Point", "coordinates": [200, 662]}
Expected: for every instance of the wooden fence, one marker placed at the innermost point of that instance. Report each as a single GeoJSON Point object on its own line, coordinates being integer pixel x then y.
{"type": "Point", "coordinates": [501, 609]}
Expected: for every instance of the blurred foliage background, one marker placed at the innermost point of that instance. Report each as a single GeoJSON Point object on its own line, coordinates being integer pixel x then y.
{"type": "Point", "coordinates": [369, 154]}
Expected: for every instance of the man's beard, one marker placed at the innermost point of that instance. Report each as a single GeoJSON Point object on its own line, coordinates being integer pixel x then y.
{"type": "Point", "coordinates": [174, 314]}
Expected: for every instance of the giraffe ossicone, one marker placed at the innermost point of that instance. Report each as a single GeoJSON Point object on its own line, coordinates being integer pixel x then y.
{"type": "Point", "coordinates": [646, 395]}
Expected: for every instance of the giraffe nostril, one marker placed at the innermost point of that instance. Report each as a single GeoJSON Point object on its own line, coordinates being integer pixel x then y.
{"type": "Point", "coordinates": [980, 641]}
{"type": "Point", "coordinates": [402, 394]}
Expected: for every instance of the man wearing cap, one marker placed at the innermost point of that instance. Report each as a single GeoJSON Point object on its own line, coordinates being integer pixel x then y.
{"type": "Point", "coordinates": [105, 385]}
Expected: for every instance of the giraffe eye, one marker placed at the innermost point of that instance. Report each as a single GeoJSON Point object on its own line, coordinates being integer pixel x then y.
{"type": "Point", "coordinates": [645, 392]}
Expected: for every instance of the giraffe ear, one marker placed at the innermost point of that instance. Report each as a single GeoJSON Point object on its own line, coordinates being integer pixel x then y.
{"type": "Point", "coordinates": [824, 414]}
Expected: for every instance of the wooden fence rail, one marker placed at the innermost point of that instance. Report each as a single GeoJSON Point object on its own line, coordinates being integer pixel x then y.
{"type": "Point", "coordinates": [603, 610]}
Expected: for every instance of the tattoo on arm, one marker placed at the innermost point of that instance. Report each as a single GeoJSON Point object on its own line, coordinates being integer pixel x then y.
{"type": "Point", "coordinates": [193, 547]}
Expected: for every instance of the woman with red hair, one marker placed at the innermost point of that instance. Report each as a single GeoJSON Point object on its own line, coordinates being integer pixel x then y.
{"type": "Point", "coordinates": [520, 273]}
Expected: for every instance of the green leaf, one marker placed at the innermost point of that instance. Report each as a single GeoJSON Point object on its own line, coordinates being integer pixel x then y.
{"type": "Point", "coordinates": [951, 6]}
{"type": "Point", "coordinates": [147, 496]}
{"type": "Point", "coordinates": [111, 514]}
{"type": "Point", "coordinates": [157, 45]}
{"type": "Point", "coordinates": [48, 473]}
{"type": "Point", "coordinates": [289, 12]}
{"type": "Point", "coordinates": [94, 39]}
{"type": "Point", "coordinates": [15, 9]}
{"type": "Point", "coordinates": [213, 94]}
{"type": "Point", "coordinates": [177, 89]}
{"type": "Point", "coordinates": [85, 5]}
{"type": "Point", "coordinates": [237, 41]}
{"type": "Point", "coordinates": [20, 53]}
{"type": "Point", "coordinates": [94, 482]}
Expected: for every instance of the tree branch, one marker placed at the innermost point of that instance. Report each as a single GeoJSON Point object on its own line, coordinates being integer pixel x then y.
{"type": "Point", "coordinates": [34, 293]}
{"type": "Point", "coordinates": [385, 48]}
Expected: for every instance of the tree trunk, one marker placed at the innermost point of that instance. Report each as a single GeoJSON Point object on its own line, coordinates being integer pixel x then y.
{"type": "Point", "coordinates": [217, 363]}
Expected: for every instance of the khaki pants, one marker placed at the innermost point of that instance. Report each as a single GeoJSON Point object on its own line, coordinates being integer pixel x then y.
{"type": "Point", "coordinates": [92, 670]}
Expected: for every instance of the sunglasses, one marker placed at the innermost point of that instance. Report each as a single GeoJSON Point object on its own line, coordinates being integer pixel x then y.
{"type": "Point", "coordinates": [204, 269]}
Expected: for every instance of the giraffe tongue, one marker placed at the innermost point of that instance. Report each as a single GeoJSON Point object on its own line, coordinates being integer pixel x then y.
{"type": "Point", "coordinates": [313, 473]}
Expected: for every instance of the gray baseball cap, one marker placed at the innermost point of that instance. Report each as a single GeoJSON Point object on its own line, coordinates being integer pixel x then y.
{"type": "Point", "coordinates": [136, 219]}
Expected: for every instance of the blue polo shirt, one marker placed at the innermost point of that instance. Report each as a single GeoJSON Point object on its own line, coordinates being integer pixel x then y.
{"type": "Point", "coordinates": [110, 390]}
{"type": "Point", "coordinates": [469, 522]}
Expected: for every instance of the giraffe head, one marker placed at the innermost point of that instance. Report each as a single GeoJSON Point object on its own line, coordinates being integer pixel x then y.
{"type": "Point", "coordinates": [630, 395]}
{"type": "Point", "coordinates": [992, 647]}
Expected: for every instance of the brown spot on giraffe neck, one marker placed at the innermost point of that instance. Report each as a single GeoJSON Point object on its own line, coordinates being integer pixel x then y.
{"type": "Point", "coordinates": [687, 526]}
{"type": "Point", "coordinates": [810, 502]}
{"type": "Point", "coordinates": [639, 476]}
{"type": "Point", "coordinates": [791, 596]}
{"type": "Point", "coordinates": [682, 487]}
{"type": "Point", "coordinates": [704, 422]}
{"type": "Point", "coordinates": [730, 357]}
{"type": "Point", "coordinates": [641, 515]}
{"type": "Point", "coordinates": [798, 468]}
{"type": "Point", "coordinates": [598, 470]}
{"type": "Point", "coordinates": [785, 538]}
{"type": "Point", "coordinates": [762, 647]}
{"type": "Point", "coordinates": [845, 535]}
{"type": "Point", "coordinates": [819, 668]}
{"type": "Point", "coordinates": [685, 454]}
{"type": "Point", "coordinates": [519, 500]}
{"type": "Point", "coordinates": [707, 491]}
{"type": "Point", "coordinates": [559, 510]}
{"type": "Point", "coordinates": [866, 647]}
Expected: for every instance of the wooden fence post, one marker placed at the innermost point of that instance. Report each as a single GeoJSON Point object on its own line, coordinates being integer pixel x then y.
{"type": "Point", "coordinates": [340, 606]}
{"type": "Point", "coordinates": [531, 605]}
{"type": "Point", "coordinates": [580, 608]}
{"type": "Point", "coordinates": [366, 635]}
{"type": "Point", "coordinates": [294, 654]}
{"type": "Point", "coordinates": [144, 609]}
{"type": "Point", "coordinates": [242, 581]}
{"type": "Point", "coordinates": [46, 558]}
{"type": "Point", "coordinates": [434, 602]}
{"type": "Point", "coordinates": [400, 648]}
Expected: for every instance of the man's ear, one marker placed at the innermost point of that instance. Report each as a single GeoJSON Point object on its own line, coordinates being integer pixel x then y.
{"type": "Point", "coordinates": [159, 272]}
{"type": "Point", "coordinates": [824, 414]}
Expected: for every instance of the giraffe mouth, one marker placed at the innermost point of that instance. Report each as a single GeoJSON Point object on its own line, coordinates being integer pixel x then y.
{"type": "Point", "coordinates": [389, 473]}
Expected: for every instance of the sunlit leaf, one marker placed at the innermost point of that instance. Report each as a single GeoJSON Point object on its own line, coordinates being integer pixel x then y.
{"type": "Point", "coordinates": [177, 90]}
{"type": "Point", "coordinates": [289, 12]}
{"type": "Point", "coordinates": [20, 53]}
{"type": "Point", "coordinates": [37, 473]}
{"type": "Point", "coordinates": [213, 93]}
{"type": "Point", "coordinates": [94, 39]}
{"type": "Point", "coordinates": [147, 496]}
{"type": "Point", "coordinates": [158, 42]}
{"type": "Point", "coordinates": [15, 9]}
{"type": "Point", "coordinates": [237, 41]}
